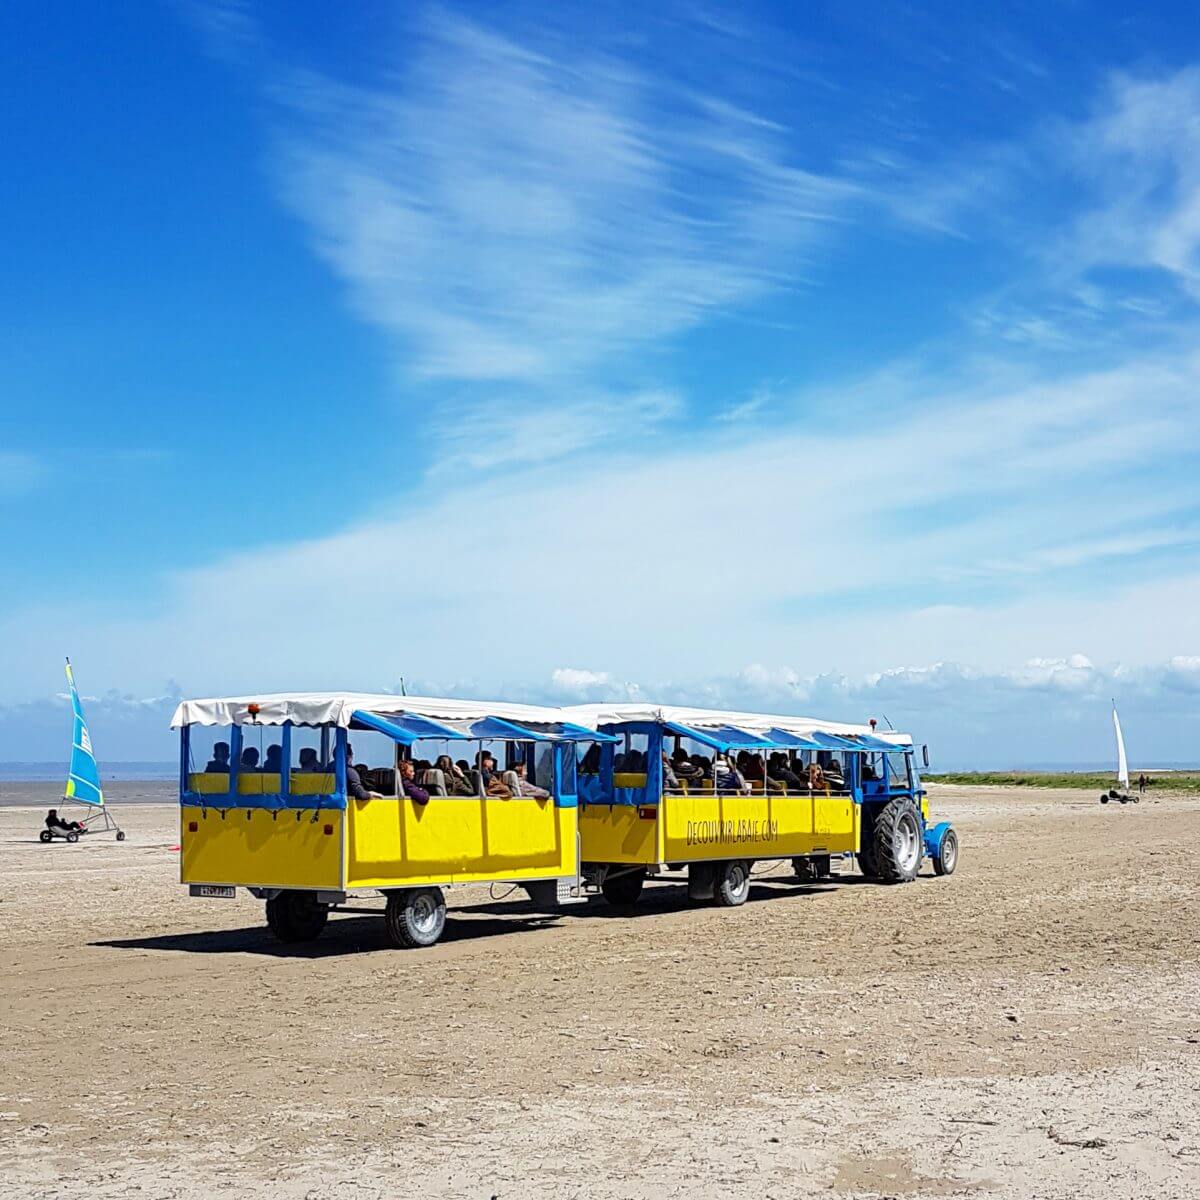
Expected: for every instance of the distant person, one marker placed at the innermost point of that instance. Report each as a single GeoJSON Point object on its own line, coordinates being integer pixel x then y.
{"type": "Point", "coordinates": [273, 763]}
{"type": "Point", "coordinates": [354, 783]}
{"type": "Point", "coordinates": [54, 821]}
{"type": "Point", "coordinates": [1141, 785]}
{"type": "Point", "coordinates": [249, 761]}
{"type": "Point", "coordinates": [219, 763]}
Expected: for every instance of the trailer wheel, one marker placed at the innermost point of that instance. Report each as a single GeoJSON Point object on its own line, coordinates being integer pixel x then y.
{"type": "Point", "coordinates": [296, 917]}
{"type": "Point", "coordinates": [73, 835]}
{"type": "Point", "coordinates": [415, 917]}
{"type": "Point", "coordinates": [732, 884]}
{"type": "Point", "coordinates": [623, 890]}
{"type": "Point", "coordinates": [45, 836]}
{"type": "Point", "coordinates": [897, 841]}
{"type": "Point", "coordinates": [946, 859]}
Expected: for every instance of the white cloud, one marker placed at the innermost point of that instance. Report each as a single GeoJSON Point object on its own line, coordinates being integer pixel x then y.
{"type": "Point", "coordinates": [517, 215]}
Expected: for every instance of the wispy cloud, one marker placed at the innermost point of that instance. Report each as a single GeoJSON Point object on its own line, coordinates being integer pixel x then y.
{"type": "Point", "coordinates": [510, 214]}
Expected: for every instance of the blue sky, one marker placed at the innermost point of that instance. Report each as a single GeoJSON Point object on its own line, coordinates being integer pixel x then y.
{"type": "Point", "coordinates": [838, 358]}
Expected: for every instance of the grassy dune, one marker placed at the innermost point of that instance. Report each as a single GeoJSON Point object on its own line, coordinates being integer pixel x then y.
{"type": "Point", "coordinates": [1175, 781]}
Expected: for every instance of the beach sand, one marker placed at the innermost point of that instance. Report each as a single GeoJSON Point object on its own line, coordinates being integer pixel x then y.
{"type": "Point", "coordinates": [1029, 1026]}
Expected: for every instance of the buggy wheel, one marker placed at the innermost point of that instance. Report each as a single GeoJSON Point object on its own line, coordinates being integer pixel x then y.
{"type": "Point", "coordinates": [120, 835]}
{"type": "Point", "coordinates": [415, 917]}
{"type": "Point", "coordinates": [45, 836]}
{"type": "Point", "coordinates": [1103, 797]}
{"type": "Point", "coordinates": [732, 884]}
{"type": "Point", "coordinates": [623, 890]}
{"type": "Point", "coordinates": [946, 858]}
{"type": "Point", "coordinates": [73, 835]}
{"type": "Point", "coordinates": [897, 838]}
{"type": "Point", "coordinates": [296, 917]}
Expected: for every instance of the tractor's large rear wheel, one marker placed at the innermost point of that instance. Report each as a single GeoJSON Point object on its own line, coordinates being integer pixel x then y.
{"type": "Point", "coordinates": [296, 917]}
{"type": "Point", "coordinates": [896, 841]}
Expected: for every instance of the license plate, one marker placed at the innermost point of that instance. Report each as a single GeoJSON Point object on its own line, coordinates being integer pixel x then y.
{"type": "Point", "coordinates": [213, 891]}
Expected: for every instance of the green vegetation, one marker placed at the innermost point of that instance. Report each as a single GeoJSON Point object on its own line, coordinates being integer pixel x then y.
{"type": "Point", "coordinates": [1099, 781]}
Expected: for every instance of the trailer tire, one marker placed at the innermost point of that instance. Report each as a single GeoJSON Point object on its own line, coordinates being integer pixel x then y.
{"type": "Point", "coordinates": [946, 858]}
{"type": "Point", "coordinates": [732, 884]}
{"type": "Point", "coordinates": [296, 917]}
{"type": "Point", "coordinates": [623, 890]}
{"type": "Point", "coordinates": [415, 917]}
{"type": "Point", "coordinates": [896, 838]}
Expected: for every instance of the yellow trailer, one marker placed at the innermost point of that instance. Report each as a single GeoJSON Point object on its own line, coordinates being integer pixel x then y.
{"type": "Point", "coordinates": [306, 836]}
{"type": "Point", "coordinates": [770, 787]}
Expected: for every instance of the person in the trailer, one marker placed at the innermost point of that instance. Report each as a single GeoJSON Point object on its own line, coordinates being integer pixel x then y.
{"type": "Point", "coordinates": [525, 787]}
{"type": "Point", "coordinates": [249, 761]}
{"type": "Point", "coordinates": [273, 763]}
{"type": "Point", "coordinates": [354, 783]}
{"type": "Point", "coordinates": [309, 763]}
{"type": "Point", "coordinates": [54, 821]}
{"type": "Point", "coordinates": [413, 790]}
{"type": "Point", "coordinates": [493, 785]}
{"type": "Point", "coordinates": [219, 763]}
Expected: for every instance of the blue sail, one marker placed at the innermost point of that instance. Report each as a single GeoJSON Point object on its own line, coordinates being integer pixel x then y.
{"type": "Point", "coordinates": [83, 782]}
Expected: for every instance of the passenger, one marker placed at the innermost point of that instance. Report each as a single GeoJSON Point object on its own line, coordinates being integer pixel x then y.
{"type": "Point", "coordinates": [219, 763]}
{"type": "Point", "coordinates": [751, 766]}
{"type": "Point", "coordinates": [54, 821]}
{"type": "Point", "coordinates": [463, 766]}
{"type": "Point", "coordinates": [354, 783]}
{"type": "Point", "coordinates": [816, 777]}
{"type": "Point", "coordinates": [308, 761]}
{"type": "Point", "coordinates": [687, 768]}
{"type": "Point", "coordinates": [249, 761]}
{"type": "Point", "coordinates": [590, 764]}
{"type": "Point", "coordinates": [868, 771]}
{"type": "Point", "coordinates": [493, 785]}
{"type": "Point", "coordinates": [408, 774]}
{"type": "Point", "coordinates": [727, 778]}
{"type": "Point", "coordinates": [778, 770]}
{"type": "Point", "coordinates": [619, 761]}
{"type": "Point", "coordinates": [457, 783]}
{"type": "Point", "coordinates": [273, 763]}
{"type": "Point", "coordinates": [669, 778]}
{"type": "Point", "coordinates": [525, 787]}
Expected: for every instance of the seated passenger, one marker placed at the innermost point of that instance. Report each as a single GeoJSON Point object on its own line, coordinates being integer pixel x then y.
{"type": "Point", "coordinates": [249, 761]}
{"type": "Point", "coordinates": [619, 761]}
{"type": "Point", "coordinates": [685, 767]}
{"type": "Point", "coordinates": [219, 763]}
{"type": "Point", "coordinates": [464, 767]}
{"type": "Point", "coordinates": [751, 766]}
{"type": "Point", "coordinates": [525, 787]}
{"type": "Point", "coordinates": [727, 778]}
{"type": "Point", "coordinates": [455, 776]}
{"type": "Point", "coordinates": [273, 763]}
{"type": "Point", "coordinates": [354, 784]}
{"type": "Point", "coordinates": [54, 821]}
{"type": "Point", "coordinates": [408, 784]}
{"type": "Point", "coordinates": [868, 771]}
{"type": "Point", "coordinates": [590, 763]}
{"type": "Point", "coordinates": [816, 777]}
{"type": "Point", "coordinates": [308, 761]}
{"type": "Point", "coordinates": [492, 783]}
{"type": "Point", "coordinates": [778, 770]}
{"type": "Point", "coordinates": [669, 778]}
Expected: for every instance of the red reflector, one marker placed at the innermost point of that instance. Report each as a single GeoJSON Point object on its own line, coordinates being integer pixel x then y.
{"type": "Point", "coordinates": [646, 814]}
{"type": "Point", "coordinates": [192, 827]}
{"type": "Point", "coordinates": [328, 829]}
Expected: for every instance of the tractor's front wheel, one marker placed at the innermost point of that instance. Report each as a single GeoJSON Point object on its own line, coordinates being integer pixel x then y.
{"type": "Point", "coordinates": [946, 858]}
{"type": "Point", "coordinates": [296, 917]}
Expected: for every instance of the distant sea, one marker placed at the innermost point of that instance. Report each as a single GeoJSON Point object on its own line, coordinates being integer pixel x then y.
{"type": "Point", "coordinates": [41, 783]}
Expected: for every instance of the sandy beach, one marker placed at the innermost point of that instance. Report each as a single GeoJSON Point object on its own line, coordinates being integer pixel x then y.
{"type": "Point", "coordinates": [1027, 1027]}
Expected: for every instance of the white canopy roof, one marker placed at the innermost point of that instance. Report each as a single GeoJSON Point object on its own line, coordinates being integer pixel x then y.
{"type": "Point", "coordinates": [593, 715]}
{"type": "Point", "coordinates": [336, 708]}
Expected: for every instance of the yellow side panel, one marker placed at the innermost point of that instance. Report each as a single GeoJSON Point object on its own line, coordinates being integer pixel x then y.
{"type": "Point", "coordinates": [304, 783]}
{"type": "Point", "coordinates": [707, 827]}
{"type": "Point", "coordinates": [615, 833]}
{"type": "Point", "coordinates": [395, 842]}
{"type": "Point", "coordinates": [254, 847]}
{"type": "Point", "coordinates": [628, 779]}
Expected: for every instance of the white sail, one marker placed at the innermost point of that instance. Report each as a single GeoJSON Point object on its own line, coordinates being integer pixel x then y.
{"type": "Point", "coordinates": [1122, 762]}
